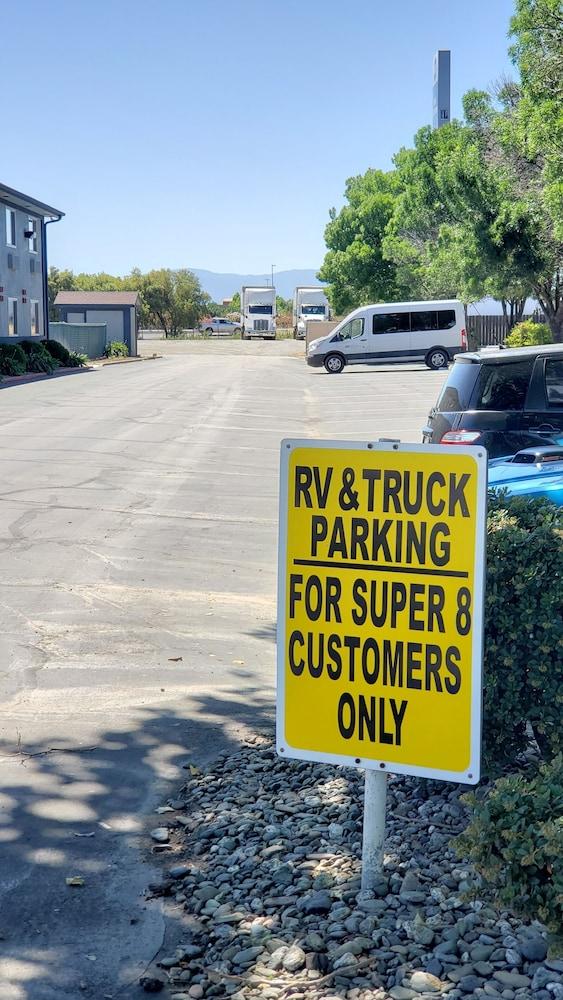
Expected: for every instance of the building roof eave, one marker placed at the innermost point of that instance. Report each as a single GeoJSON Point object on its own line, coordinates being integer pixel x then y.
{"type": "Point", "coordinates": [27, 203]}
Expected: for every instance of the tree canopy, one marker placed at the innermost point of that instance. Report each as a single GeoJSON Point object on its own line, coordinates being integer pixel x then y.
{"type": "Point", "coordinates": [173, 300]}
{"type": "Point", "coordinates": [355, 267]}
{"type": "Point", "coordinates": [475, 207]}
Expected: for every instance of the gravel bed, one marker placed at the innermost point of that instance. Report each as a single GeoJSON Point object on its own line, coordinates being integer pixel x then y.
{"type": "Point", "coordinates": [262, 855]}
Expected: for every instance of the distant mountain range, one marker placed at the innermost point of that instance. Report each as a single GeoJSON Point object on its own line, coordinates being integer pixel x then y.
{"type": "Point", "coordinates": [222, 286]}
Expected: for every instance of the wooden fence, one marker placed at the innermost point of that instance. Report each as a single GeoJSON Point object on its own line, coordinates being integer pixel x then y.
{"type": "Point", "coordinates": [486, 331]}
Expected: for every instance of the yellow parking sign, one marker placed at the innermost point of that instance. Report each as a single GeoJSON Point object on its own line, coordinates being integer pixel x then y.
{"type": "Point", "coordinates": [380, 608]}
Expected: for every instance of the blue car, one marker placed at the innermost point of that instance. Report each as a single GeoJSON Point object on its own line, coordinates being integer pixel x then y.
{"type": "Point", "coordinates": [534, 472]}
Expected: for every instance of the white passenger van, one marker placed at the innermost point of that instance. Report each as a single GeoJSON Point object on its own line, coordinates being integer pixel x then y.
{"type": "Point", "coordinates": [393, 331]}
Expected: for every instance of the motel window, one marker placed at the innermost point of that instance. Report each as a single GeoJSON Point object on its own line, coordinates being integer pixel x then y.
{"type": "Point", "coordinates": [33, 240]}
{"type": "Point", "coordinates": [10, 227]}
{"type": "Point", "coordinates": [35, 331]}
{"type": "Point", "coordinates": [12, 317]}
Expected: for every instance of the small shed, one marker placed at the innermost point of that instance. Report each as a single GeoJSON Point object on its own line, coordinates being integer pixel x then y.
{"type": "Point", "coordinates": [118, 310]}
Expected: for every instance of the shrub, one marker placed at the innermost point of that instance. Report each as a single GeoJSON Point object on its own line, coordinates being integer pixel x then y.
{"type": "Point", "coordinates": [57, 351]}
{"type": "Point", "coordinates": [523, 641]}
{"type": "Point", "coordinates": [515, 840]}
{"type": "Point", "coordinates": [13, 360]}
{"type": "Point", "coordinates": [76, 360]}
{"type": "Point", "coordinates": [117, 349]}
{"type": "Point", "coordinates": [529, 334]}
{"type": "Point", "coordinates": [38, 357]}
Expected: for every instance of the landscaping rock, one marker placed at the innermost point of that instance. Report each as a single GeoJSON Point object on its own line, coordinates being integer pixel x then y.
{"type": "Point", "coordinates": [319, 902]}
{"type": "Point", "coordinates": [534, 949]}
{"type": "Point", "coordinates": [425, 982]}
{"type": "Point", "coordinates": [161, 835]}
{"type": "Point", "coordinates": [294, 959]}
{"type": "Point", "coordinates": [267, 872]}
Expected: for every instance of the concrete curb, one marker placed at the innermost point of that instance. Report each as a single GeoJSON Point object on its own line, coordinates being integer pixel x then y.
{"type": "Point", "coordinates": [9, 381]}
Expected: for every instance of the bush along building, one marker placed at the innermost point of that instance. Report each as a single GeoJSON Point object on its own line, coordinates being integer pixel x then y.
{"type": "Point", "coordinates": [24, 311]}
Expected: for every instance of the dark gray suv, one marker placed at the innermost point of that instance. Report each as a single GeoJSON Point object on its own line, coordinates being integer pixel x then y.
{"type": "Point", "coordinates": [503, 399]}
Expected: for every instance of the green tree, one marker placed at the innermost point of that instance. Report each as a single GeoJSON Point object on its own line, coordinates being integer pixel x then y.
{"type": "Point", "coordinates": [58, 281]}
{"type": "Point", "coordinates": [451, 197]}
{"type": "Point", "coordinates": [100, 282]}
{"type": "Point", "coordinates": [520, 237]}
{"type": "Point", "coordinates": [355, 267]}
{"type": "Point", "coordinates": [537, 127]}
{"type": "Point", "coordinates": [174, 299]}
{"type": "Point", "coordinates": [465, 185]}
{"type": "Point", "coordinates": [283, 306]}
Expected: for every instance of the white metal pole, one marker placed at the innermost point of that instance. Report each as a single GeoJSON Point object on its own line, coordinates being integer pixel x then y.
{"type": "Point", "coordinates": [375, 795]}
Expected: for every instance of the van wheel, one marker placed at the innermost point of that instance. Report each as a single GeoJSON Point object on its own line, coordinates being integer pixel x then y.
{"type": "Point", "coordinates": [334, 364]}
{"type": "Point", "coordinates": [437, 358]}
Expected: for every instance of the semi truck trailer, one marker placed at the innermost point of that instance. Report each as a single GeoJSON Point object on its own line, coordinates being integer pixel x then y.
{"type": "Point", "coordinates": [310, 304]}
{"type": "Point", "coordinates": [258, 312]}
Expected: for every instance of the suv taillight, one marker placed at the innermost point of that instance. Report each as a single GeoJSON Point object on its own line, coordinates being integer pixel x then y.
{"type": "Point", "coordinates": [460, 437]}
{"type": "Point", "coordinates": [463, 338]}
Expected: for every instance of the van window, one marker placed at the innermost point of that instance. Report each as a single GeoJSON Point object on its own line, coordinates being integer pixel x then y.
{"type": "Point", "coordinates": [554, 383]}
{"type": "Point", "coordinates": [391, 323]}
{"type": "Point", "coordinates": [446, 319]}
{"type": "Point", "coordinates": [423, 321]}
{"type": "Point", "coordinates": [354, 328]}
{"type": "Point", "coordinates": [457, 391]}
{"type": "Point", "coordinates": [503, 386]}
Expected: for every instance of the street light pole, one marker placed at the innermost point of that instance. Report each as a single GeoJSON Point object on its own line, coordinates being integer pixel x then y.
{"type": "Point", "coordinates": [273, 266]}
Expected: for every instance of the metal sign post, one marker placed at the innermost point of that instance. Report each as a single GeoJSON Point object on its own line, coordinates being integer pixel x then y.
{"type": "Point", "coordinates": [375, 796]}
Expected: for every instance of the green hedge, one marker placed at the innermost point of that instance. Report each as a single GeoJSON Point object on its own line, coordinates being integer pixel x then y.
{"type": "Point", "coordinates": [515, 840]}
{"type": "Point", "coordinates": [523, 635]}
{"type": "Point", "coordinates": [38, 357]}
{"type": "Point", "coordinates": [529, 334]}
{"type": "Point", "coordinates": [13, 360]}
{"type": "Point", "coordinates": [58, 351]}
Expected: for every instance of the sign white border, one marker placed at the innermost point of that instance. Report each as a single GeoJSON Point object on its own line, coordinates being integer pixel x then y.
{"type": "Point", "coordinates": [472, 774]}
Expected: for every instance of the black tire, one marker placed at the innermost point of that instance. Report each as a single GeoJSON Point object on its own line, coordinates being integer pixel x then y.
{"type": "Point", "coordinates": [236, 330]}
{"type": "Point", "coordinates": [334, 364]}
{"type": "Point", "coordinates": [437, 358]}
{"type": "Point", "coordinates": [208, 331]}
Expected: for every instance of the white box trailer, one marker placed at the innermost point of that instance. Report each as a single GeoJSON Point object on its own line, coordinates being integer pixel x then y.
{"type": "Point", "coordinates": [258, 312]}
{"type": "Point", "coordinates": [310, 304]}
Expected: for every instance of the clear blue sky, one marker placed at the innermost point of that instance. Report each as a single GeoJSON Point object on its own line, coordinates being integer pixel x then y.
{"type": "Point", "coordinates": [218, 133]}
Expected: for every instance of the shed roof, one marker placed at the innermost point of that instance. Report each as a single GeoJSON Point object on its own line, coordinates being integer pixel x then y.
{"type": "Point", "coordinates": [27, 203]}
{"type": "Point", "coordinates": [97, 299]}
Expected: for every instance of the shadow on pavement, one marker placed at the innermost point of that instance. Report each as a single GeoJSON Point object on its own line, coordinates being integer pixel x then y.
{"type": "Point", "coordinates": [84, 813]}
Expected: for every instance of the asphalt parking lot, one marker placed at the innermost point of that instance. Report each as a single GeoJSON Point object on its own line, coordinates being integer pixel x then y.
{"type": "Point", "coordinates": [138, 530]}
